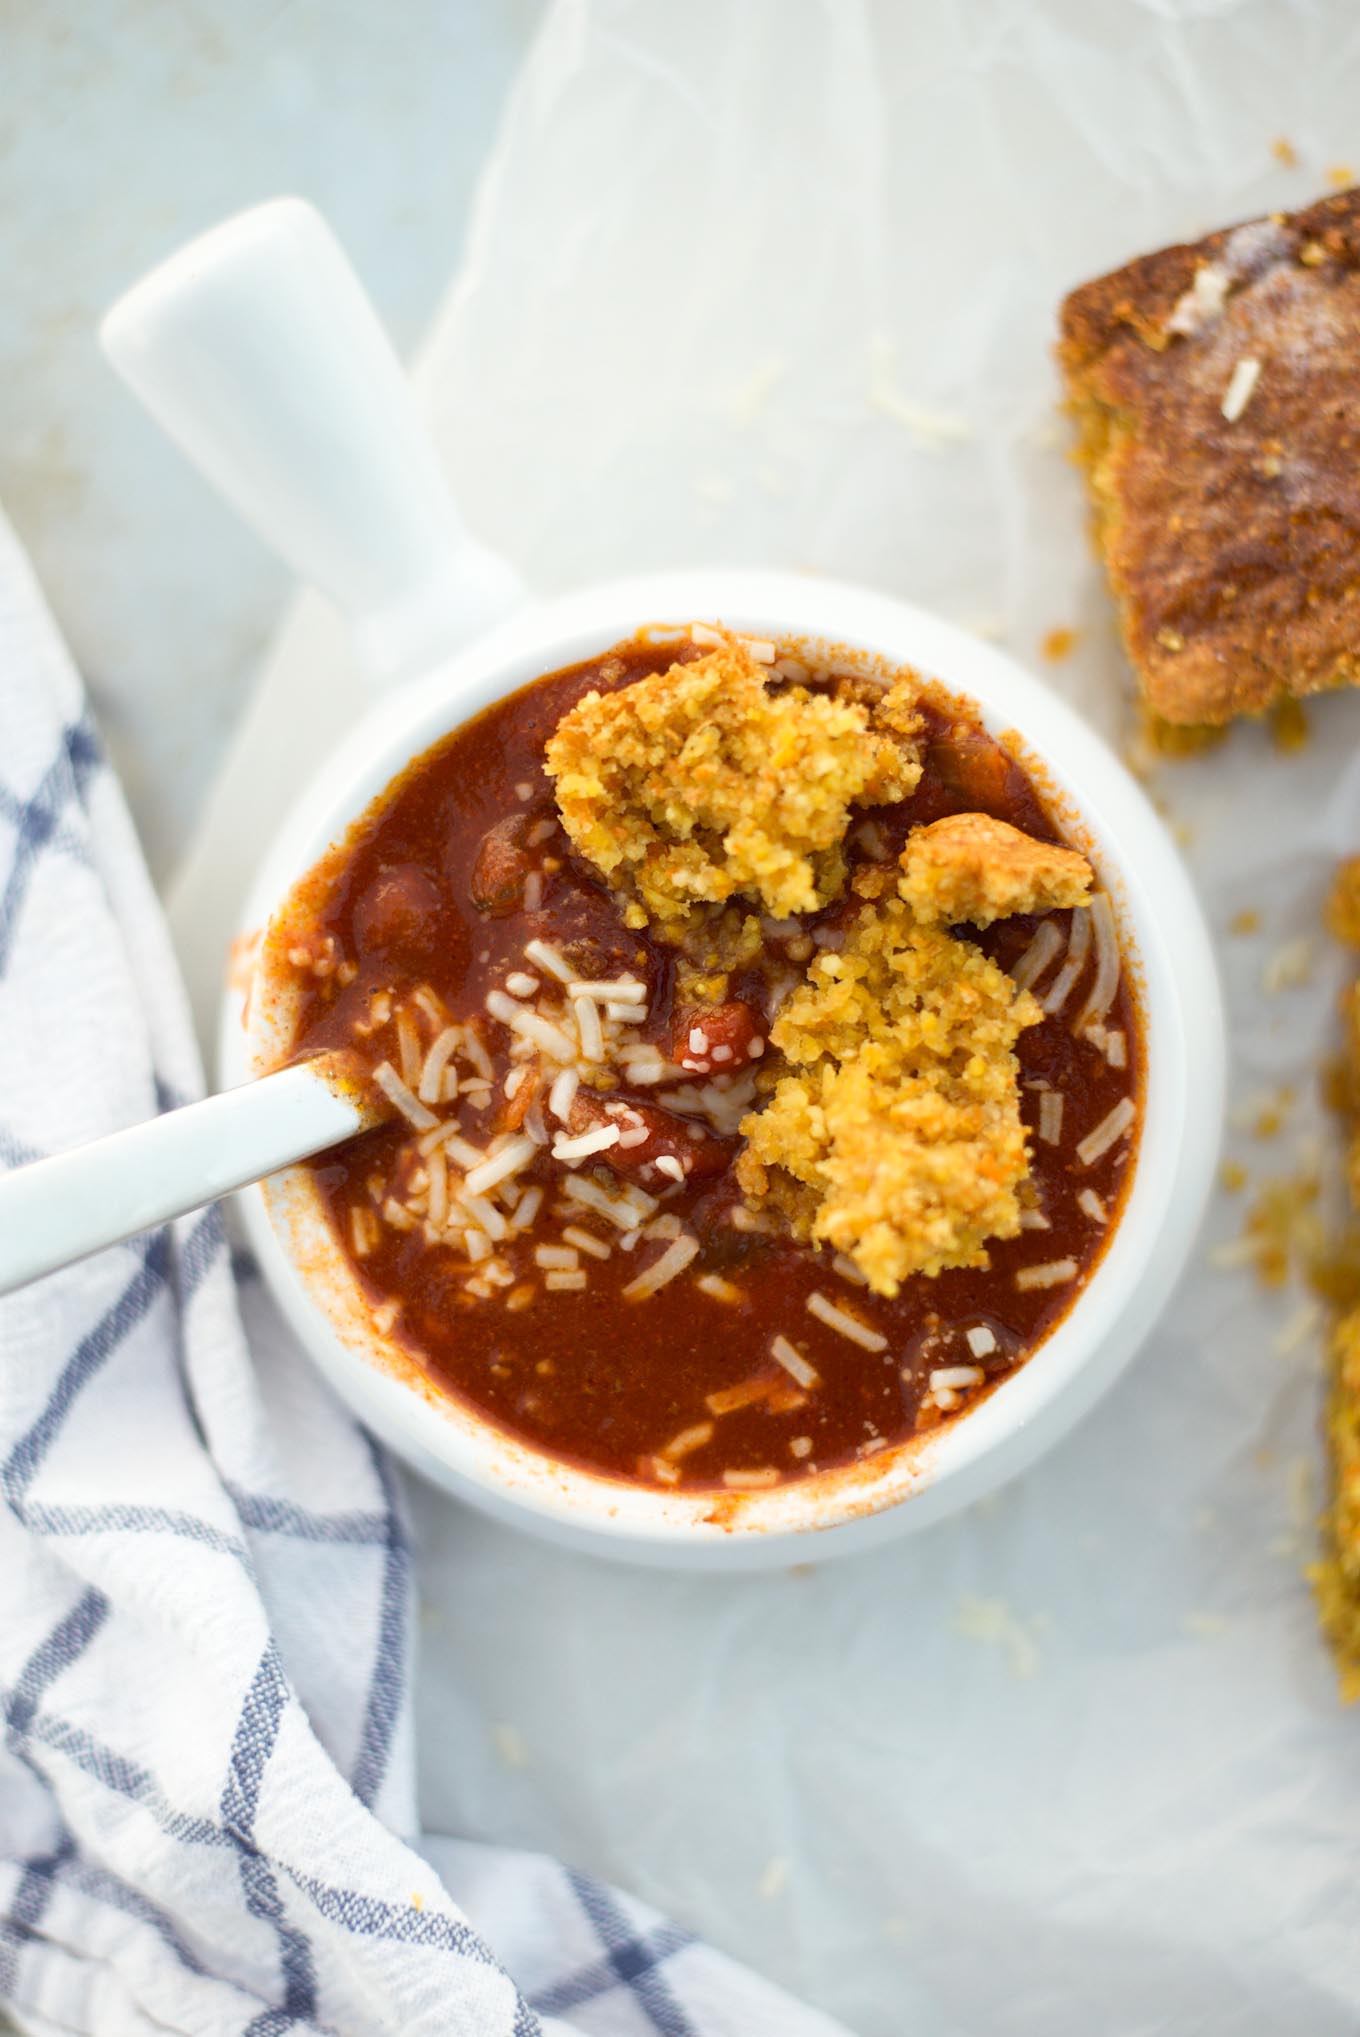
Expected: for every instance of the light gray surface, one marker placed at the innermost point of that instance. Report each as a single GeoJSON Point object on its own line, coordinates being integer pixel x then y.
{"type": "Point", "coordinates": [125, 128]}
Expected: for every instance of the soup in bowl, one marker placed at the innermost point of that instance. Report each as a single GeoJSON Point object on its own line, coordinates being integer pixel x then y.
{"type": "Point", "coordinates": [800, 1057]}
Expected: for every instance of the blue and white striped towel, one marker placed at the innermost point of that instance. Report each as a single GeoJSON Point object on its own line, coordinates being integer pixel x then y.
{"type": "Point", "coordinates": [207, 1804]}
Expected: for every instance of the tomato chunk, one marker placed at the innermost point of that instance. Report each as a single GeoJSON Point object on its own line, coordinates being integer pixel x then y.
{"type": "Point", "coordinates": [970, 763]}
{"type": "Point", "coordinates": [687, 1142]}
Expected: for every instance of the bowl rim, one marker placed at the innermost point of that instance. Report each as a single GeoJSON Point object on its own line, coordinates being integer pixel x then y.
{"type": "Point", "coordinates": [1162, 931]}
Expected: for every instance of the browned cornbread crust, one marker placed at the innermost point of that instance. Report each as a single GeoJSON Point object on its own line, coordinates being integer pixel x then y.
{"type": "Point", "coordinates": [1232, 546]}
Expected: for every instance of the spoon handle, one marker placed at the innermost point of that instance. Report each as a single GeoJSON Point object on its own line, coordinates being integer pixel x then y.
{"type": "Point", "coordinates": [55, 1211]}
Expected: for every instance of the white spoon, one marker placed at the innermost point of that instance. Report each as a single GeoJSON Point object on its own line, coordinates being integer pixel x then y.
{"type": "Point", "coordinates": [55, 1211]}
{"type": "Point", "coordinates": [258, 350]}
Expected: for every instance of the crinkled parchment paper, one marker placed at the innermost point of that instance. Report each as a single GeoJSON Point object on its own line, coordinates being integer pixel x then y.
{"type": "Point", "coordinates": [775, 281]}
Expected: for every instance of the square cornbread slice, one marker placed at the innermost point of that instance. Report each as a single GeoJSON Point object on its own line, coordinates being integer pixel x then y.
{"type": "Point", "coordinates": [1217, 389]}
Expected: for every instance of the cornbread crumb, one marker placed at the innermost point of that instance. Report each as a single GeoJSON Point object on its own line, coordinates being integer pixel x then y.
{"type": "Point", "coordinates": [1335, 1274]}
{"type": "Point", "coordinates": [1334, 1084]}
{"type": "Point", "coordinates": [705, 781]}
{"type": "Point", "coordinates": [1350, 1012]}
{"type": "Point", "coordinates": [1263, 1112]}
{"type": "Point", "coordinates": [1336, 1577]}
{"type": "Point", "coordinates": [897, 1137]}
{"type": "Point", "coordinates": [1284, 152]}
{"type": "Point", "coordinates": [1233, 1177]}
{"type": "Point", "coordinates": [1057, 644]}
{"type": "Point", "coordinates": [1289, 726]}
{"type": "Point", "coordinates": [1343, 904]}
{"type": "Point", "coordinates": [1179, 739]}
{"type": "Point", "coordinates": [1285, 1229]}
{"type": "Point", "coordinates": [1246, 922]}
{"type": "Point", "coordinates": [972, 867]}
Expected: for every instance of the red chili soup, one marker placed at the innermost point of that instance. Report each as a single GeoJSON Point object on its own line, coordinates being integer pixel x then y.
{"type": "Point", "coordinates": [551, 1221]}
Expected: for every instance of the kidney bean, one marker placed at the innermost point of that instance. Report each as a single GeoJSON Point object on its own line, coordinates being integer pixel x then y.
{"type": "Point", "coordinates": [717, 1039]}
{"type": "Point", "coordinates": [496, 886]}
{"type": "Point", "coordinates": [397, 909]}
{"type": "Point", "coordinates": [700, 1151]}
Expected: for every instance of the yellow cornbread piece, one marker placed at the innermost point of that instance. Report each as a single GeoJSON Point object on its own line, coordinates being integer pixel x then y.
{"type": "Point", "coordinates": [706, 781]}
{"type": "Point", "coordinates": [901, 1114]}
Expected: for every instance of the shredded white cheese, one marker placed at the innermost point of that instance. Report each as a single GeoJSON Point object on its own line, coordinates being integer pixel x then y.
{"type": "Point", "coordinates": [844, 1323]}
{"type": "Point", "coordinates": [673, 1260]}
{"type": "Point", "coordinates": [794, 1363]}
{"type": "Point", "coordinates": [1107, 1133]}
{"type": "Point", "coordinates": [401, 1097]}
{"type": "Point", "coordinates": [599, 1140]}
{"type": "Point", "coordinates": [1053, 1273]}
{"type": "Point", "coordinates": [1241, 383]}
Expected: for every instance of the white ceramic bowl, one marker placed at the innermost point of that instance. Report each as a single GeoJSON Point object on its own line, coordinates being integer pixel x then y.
{"type": "Point", "coordinates": [258, 351]}
{"type": "Point", "coordinates": [923, 1479]}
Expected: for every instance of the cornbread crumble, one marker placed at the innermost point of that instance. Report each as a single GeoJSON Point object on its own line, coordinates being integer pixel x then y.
{"type": "Point", "coordinates": [898, 1139]}
{"type": "Point", "coordinates": [1343, 903]}
{"type": "Point", "coordinates": [704, 781]}
{"type": "Point", "coordinates": [972, 867]}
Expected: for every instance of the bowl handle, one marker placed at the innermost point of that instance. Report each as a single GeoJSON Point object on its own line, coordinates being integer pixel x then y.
{"type": "Point", "coordinates": [259, 352]}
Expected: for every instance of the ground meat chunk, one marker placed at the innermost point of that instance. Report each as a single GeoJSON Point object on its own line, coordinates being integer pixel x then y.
{"type": "Point", "coordinates": [707, 781]}
{"type": "Point", "coordinates": [975, 868]}
{"type": "Point", "coordinates": [1336, 1578]}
